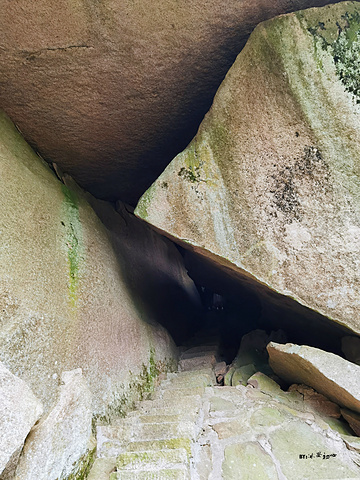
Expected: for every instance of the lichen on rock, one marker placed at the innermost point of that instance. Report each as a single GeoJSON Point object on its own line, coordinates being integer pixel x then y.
{"type": "Point", "coordinates": [280, 145]}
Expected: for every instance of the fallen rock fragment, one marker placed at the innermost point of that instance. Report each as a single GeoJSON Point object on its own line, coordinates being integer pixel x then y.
{"type": "Point", "coordinates": [19, 411]}
{"type": "Point", "coordinates": [321, 404]}
{"type": "Point", "coordinates": [329, 374]}
{"type": "Point", "coordinates": [220, 368]}
{"type": "Point", "coordinates": [264, 383]}
{"type": "Point", "coordinates": [242, 374]}
{"type": "Point", "coordinates": [61, 445]}
{"type": "Point", "coordinates": [252, 356]}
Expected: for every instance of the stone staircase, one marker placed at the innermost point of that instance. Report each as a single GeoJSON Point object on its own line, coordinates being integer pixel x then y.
{"type": "Point", "coordinates": [158, 440]}
{"type": "Point", "coordinates": [192, 428]}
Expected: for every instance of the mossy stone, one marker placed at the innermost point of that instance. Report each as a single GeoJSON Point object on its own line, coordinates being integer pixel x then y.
{"type": "Point", "coordinates": [247, 461]}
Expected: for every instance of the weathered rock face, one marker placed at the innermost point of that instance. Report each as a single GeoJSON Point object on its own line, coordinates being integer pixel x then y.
{"type": "Point", "coordinates": [67, 297]}
{"type": "Point", "coordinates": [329, 374]}
{"type": "Point", "coordinates": [110, 90]}
{"type": "Point", "coordinates": [270, 186]}
{"type": "Point", "coordinates": [19, 411]}
{"type": "Point", "coordinates": [61, 446]}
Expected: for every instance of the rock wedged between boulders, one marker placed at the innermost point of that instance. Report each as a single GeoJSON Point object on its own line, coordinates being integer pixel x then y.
{"type": "Point", "coordinates": [252, 356]}
{"type": "Point", "coordinates": [329, 374]}
{"type": "Point", "coordinates": [269, 187]}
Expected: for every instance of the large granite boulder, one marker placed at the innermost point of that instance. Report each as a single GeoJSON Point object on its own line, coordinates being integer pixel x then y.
{"type": "Point", "coordinates": [19, 411]}
{"type": "Point", "coordinates": [61, 446]}
{"type": "Point", "coordinates": [327, 373]}
{"type": "Point", "coordinates": [68, 283]}
{"type": "Point", "coordinates": [269, 187]}
{"type": "Point", "coordinates": [111, 90]}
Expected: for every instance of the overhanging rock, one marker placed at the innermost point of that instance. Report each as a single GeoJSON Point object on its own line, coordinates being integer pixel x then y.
{"type": "Point", "coordinates": [270, 187]}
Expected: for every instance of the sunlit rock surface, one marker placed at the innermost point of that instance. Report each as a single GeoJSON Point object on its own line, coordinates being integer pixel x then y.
{"type": "Point", "coordinates": [270, 187]}
{"type": "Point", "coordinates": [61, 446]}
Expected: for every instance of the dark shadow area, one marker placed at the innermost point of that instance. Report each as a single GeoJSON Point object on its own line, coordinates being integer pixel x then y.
{"type": "Point", "coordinates": [234, 306]}
{"type": "Point", "coordinates": [152, 271]}
{"type": "Point", "coordinates": [207, 297]}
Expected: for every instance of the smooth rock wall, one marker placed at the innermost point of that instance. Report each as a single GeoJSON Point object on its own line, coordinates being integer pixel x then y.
{"type": "Point", "coordinates": [65, 301]}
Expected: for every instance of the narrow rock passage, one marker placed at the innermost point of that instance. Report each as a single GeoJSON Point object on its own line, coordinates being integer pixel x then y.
{"type": "Point", "coordinates": [159, 439]}
{"type": "Point", "coordinates": [192, 428]}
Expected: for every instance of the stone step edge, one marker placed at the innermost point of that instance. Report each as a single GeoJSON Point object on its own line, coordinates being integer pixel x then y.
{"type": "Point", "coordinates": [164, 444]}
{"type": "Point", "coordinates": [168, 474]}
{"type": "Point", "coordinates": [150, 459]}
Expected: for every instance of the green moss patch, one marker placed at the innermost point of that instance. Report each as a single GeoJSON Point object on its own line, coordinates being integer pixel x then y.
{"type": "Point", "coordinates": [83, 466]}
{"type": "Point", "coordinates": [141, 385]}
{"type": "Point", "coordinates": [142, 208]}
{"type": "Point", "coordinates": [340, 35]}
{"type": "Point", "coordinates": [73, 239]}
{"type": "Point", "coordinates": [346, 53]}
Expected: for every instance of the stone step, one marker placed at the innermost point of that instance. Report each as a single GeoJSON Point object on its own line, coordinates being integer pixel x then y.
{"type": "Point", "coordinates": [168, 474]}
{"type": "Point", "coordinates": [202, 380]}
{"type": "Point", "coordinates": [168, 421]}
{"type": "Point", "coordinates": [112, 439]}
{"type": "Point", "coordinates": [201, 348]}
{"type": "Point", "coordinates": [147, 460]}
{"type": "Point", "coordinates": [176, 393]}
{"type": "Point", "coordinates": [183, 414]}
{"type": "Point", "coordinates": [162, 431]}
{"type": "Point", "coordinates": [180, 405]}
{"type": "Point", "coordinates": [201, 371]}
{"type": "Point", "coordinates": [190, 364]}
{"type": "Point", "coordinates": [172, 443]}
{"type": "Point", "coordinates": [157, 418]}
{"type": "Point", "coordinates": [102, 468]}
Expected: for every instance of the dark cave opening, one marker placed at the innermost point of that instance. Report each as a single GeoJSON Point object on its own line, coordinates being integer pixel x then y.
{"type": "Point", "coordinates": [231, 307]}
